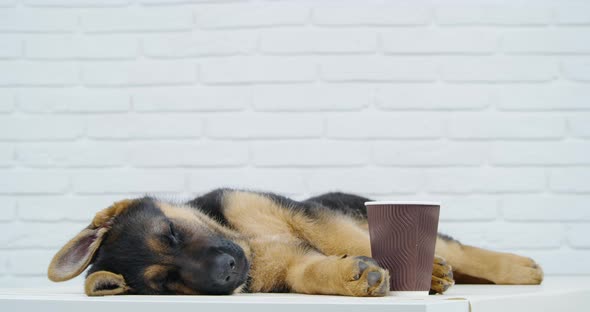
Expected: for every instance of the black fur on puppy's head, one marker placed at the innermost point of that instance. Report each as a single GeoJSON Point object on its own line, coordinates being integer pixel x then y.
{"type": "Point", "coordinates": [151, 247]}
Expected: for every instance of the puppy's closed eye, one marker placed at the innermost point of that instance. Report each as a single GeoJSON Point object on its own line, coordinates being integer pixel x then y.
{"type": "Point", "coordinates": [164, 239]}
{"type": "Point", "coordinates": [172, 236]}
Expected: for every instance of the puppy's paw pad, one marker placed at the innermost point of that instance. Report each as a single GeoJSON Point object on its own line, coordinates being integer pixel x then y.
{"type": "Point", "coordinates": [373, 278]}
{"type": "Point", "coordinates": [368, 278]}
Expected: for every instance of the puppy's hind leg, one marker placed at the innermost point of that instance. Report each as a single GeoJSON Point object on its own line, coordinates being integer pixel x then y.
{"type": "Point", "coordinates": [476, 264]}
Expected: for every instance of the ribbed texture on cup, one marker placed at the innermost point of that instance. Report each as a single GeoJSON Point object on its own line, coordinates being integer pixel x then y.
{"type": "Point", "coordinates": [403, 238]}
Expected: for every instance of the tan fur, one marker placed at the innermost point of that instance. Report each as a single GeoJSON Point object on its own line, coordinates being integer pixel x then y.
{"type": "Point", "coordinates": [319, 274]}
{"type": "Point", "coordinates": [181, 289]}
{"type": "Point", "coordinates": [266, 225]}
{"type": "Point", "coordinates": [442, 275]}
{"type": "Point", "coordinates": [156, 245]}
{"type": "Point", "coordinates": [104, 216]}
{"type": "Point", "coordinates": [346, 236]}
{"type": "Point", "coordinates": [184, 214]}
{"type": "Point", "coordinates": [240, 289]}
{"type": "Point", "coordinates": [153, 274]}
{"type": "Point", "coordinates": [154, 242]}
{"type": "Point", "coordinates": [95, 282]}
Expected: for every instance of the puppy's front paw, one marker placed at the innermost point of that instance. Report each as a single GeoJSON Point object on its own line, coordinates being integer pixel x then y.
{"type": "Point", "coordinates": [366, 278]}
{"type": "Point", "coordinates": [442, 276]}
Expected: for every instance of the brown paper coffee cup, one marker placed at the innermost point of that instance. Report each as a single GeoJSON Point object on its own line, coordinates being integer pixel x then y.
{"type": "Point", "coordinates": [403, 238]}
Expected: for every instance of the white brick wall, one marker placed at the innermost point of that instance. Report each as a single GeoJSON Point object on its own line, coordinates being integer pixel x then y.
{"type": "Point", "coordinates": [481, 104]}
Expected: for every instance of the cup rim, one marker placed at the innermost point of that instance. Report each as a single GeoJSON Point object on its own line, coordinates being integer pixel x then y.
{"type": "Point", "coordinates": [402, 202]}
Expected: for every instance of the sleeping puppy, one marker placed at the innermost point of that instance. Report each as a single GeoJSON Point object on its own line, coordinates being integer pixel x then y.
{"type": "Point", "coordinates": [230, 241]}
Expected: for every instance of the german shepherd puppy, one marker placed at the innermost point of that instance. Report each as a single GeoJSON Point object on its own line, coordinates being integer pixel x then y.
{"type": "Point", "coordinates": [230, 241]}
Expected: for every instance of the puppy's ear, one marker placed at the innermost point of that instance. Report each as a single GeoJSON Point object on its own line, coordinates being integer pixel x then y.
{"type": "Point", "coordinates": [76, 255]}
{"type": "Point", "coordinates": [103, 283]}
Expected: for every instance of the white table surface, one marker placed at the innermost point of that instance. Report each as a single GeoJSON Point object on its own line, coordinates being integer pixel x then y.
{"type": "Point", "coordinates": [556, 294]}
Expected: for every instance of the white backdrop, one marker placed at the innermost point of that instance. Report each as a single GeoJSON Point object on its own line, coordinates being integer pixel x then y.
{"type": "Point", "coordinates": [483, 105]}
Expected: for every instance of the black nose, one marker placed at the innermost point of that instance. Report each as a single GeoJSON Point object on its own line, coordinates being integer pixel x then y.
{"type": "Point", "coordinates": [224, 270]}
